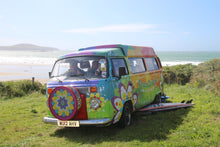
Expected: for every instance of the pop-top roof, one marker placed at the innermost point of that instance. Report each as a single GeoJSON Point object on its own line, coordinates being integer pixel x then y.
{"type": "Point", "coordinates": [115, 50]}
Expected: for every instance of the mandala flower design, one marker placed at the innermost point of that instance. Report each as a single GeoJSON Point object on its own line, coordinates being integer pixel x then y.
{"type": "Point", "coordinates": [62, 103]}
{"type": "Point", "coordinates": [95, 102]}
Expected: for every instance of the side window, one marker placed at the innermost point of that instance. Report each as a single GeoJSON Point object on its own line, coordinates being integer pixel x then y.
{"type": "Point", "coordinates": [159, 63]}
{"type": "Point", "coordinates": [151, 63]}
{"type": "Point", "coordinates": [116, 63]}
{"type": "Point", "coordinates": [137, 65]}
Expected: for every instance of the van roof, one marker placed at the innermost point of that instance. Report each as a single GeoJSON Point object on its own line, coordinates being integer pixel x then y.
{"type": "Point", "coordinates": [115, 50]}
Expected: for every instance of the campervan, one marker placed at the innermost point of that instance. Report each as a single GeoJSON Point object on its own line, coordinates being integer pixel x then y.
{"type": "Point", "coordinates": [103, 85]}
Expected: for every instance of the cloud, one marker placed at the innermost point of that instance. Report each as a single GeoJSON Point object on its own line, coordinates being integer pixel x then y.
{"type": "Point", "coordinates": [186, 33]}
{"type": "Point", "coordinates": [160, 32]}
{"type": "Point", "coordinates": [114, 28]}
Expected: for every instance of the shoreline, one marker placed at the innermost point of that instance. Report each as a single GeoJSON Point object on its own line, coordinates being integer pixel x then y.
{"type": "Point", "coordinates": [16, 72]}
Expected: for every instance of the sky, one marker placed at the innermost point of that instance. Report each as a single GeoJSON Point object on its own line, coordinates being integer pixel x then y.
{"type": "Point", "coordinates": [166, 25]}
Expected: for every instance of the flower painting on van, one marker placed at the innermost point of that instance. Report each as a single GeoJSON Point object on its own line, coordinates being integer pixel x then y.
{"type": "Point", "coordinates": [125, 95]}
{"type": "Point", "coordinates": [117, 103]}
{"type": "Point", "coordinates": [62, 103]}
{"type": "Point", "coordinates": [95, 102]}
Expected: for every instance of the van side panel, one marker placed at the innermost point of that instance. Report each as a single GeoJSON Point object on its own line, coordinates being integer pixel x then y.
{"type": "Point", "coordinates": [147, 86]}
{"type": "Point", "coordinates": [143, 89]}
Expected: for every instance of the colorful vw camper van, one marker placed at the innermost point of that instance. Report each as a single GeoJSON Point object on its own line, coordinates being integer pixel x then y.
{"type": "Point", "coordinates": [103, 85]}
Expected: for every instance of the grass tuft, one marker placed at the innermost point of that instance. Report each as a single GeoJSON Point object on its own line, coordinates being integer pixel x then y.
{"type": "Point", "coordinates": [21, 88]}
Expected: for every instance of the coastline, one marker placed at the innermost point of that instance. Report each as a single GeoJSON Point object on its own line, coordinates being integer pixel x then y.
{"type": "Point", "coordinates": [9, 76]}
{"type": "Point", "coordinates": [16, 72]}
{"type": "Point", "coordinates": [18, 65]}
{"type": "Point", "coordinates": [24, 71]}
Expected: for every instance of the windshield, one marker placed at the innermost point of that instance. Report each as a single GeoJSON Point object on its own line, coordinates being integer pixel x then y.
{"type": "Point", "coordinates": [81, 67]}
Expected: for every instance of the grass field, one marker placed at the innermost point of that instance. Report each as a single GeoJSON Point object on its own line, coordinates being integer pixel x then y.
{"type": "Point", "coordinates": [21, 124]}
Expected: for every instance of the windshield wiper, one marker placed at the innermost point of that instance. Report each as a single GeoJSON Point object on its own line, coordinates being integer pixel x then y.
{"type": "Point", "coordinates": [59, 79]}
{"type": "Point", "coordinates": [86, 79]}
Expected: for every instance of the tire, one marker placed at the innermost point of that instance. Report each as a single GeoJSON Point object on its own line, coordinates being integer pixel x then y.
{"type": "Point", "coordinates": [126, 116]}
{"type": "Point", "coordinates": [157, 99]}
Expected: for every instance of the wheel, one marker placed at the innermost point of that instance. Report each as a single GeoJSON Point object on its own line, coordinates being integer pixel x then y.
{"type": "Point", "coordinates": [157, 99]}
{"type": "Point", "coordinates": [126, 116]}
{"type": "Point", "coordinates": [64, 102]}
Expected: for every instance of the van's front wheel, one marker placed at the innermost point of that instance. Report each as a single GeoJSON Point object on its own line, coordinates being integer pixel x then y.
{"type": "Point", "coordinates": [126, 116]}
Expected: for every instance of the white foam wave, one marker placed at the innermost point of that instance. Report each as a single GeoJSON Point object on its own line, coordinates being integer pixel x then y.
{"type": "Point", "coordinates": [172, 63]}
{"type": "Point", "coordinates": [27, 60]}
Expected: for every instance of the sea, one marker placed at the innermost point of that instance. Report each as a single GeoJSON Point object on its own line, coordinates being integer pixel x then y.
{"type": "Point", "coordinates": [15, 65]}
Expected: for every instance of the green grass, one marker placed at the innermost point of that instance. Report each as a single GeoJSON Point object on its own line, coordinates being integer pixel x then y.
{"type": "Point", "coordinates": [206, 75]}
{"type": "Point", "coordinates": [21, 124]}
{"type": "Point", "coordinates": [11, 89]}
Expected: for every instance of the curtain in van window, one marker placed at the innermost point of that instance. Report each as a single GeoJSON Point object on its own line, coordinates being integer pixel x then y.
{"type": "Point", "coordinates": [116, 64]}
{"type": "Point", "coordinates": [151, 63]}
{"type": "Point", "coordinates": [137, 65]}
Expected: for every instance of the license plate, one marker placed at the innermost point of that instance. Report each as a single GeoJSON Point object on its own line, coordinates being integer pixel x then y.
{"type": "Point", "coordinates": [68, 123]}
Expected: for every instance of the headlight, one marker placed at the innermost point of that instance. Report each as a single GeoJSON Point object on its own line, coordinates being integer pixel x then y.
{"type": "Point", "coordinates": [94, 103]}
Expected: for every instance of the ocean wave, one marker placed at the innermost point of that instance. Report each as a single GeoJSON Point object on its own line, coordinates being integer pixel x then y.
{"type": "Point", "coordinates": [172, 63]}
{"type": "Point", "coordinates": [27, 60]}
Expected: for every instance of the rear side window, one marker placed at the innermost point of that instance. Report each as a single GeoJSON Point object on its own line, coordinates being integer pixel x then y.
{"type": "Point", "coordinates": [151, 63]}
{"type": "Point", "coordinates": [159, 63]}
{"type": "Point", "coordinates": [137, 65]}
{"type": "Point", "coordinates": [119, 62]}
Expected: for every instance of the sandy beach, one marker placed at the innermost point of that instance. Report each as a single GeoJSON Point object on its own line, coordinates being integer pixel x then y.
{"type": "Point", "coordinates": [14, 72]}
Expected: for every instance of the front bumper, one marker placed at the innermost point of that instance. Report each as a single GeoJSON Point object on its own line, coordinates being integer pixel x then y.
{"type": "Point", "coordinates": [97, 122]}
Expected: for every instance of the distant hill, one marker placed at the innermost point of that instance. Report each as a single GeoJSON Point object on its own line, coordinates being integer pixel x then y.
{"type": "Point", "coordinates": [28, 47]}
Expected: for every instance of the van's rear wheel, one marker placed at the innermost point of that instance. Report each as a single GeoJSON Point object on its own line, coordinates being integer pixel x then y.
{"type": "Point", "coordinates": [126, 116]}
{"type": "Point", "coordinates": [157, 99]}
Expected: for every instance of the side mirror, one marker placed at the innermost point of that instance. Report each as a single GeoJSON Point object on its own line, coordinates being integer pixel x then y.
{"type": "Point", "coordinates": [49, 74]}
{"type": "Point", "coordinates": [122, 72]}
